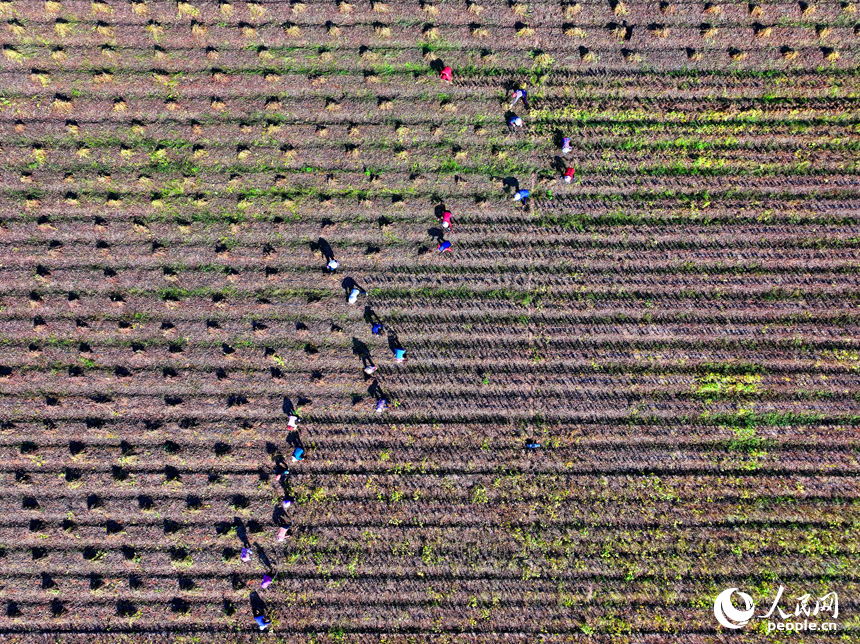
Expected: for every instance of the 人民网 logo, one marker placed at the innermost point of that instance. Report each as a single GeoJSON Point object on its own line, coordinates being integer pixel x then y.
{"type": "Point", "coordinates": [808, 607]}
{"type": "Point", "coordinates": [729, 616]}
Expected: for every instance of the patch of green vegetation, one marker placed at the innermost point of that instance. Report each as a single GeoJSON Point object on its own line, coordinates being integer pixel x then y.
{"type": "Point", "coordinates": [715, 385]}
{"type": "Point", "coordinates": [732, 368]}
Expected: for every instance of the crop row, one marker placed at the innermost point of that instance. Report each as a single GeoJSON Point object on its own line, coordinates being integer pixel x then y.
{"type": "Point", "coordinates": [563, 213]}
{"type": "Point", "coordinates": [630, 239]}
{"type": "Point", "coordinates": [396, 12]}
{"type": "Point", "coordinates": [624, 165]}
{"type": "Point", "coordinates": [129, 265]}
{"type": "Point", "coordinates": [512, 38]}
{"type": "Point", "coordinates": [611, 89]}
{"type": "Point", "coordinates": [406, 452]}
{"type": "Point", "coordinates": [210, 105]}
{"type": "Point", "coordinates": [481, 317]}
{"type": "Point", "coordinates": [687, 182]}
{"type": "Point", "coordinates": [213, 154]}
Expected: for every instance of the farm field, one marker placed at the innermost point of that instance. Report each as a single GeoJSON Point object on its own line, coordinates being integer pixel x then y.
{"type": "Point", "coordinates": [677, 328]}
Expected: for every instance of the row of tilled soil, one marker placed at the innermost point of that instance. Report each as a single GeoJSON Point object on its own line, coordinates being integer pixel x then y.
{"type": "Point", "coordinates": [147, 353]}
{"type": "Point", "coordinates": [262, 241]}
{"type": "Point", "coordinates": [411, 37]}
{"type": "Point", "coordinates": [737, 87]}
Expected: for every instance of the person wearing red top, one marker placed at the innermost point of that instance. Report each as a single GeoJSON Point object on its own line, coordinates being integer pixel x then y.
{"type": "Point", "coordinates": [568, 175]}
{"type": "Point", "coordinates": [447, 75]}
{"type": "Point", "coordinates": [446, 219]}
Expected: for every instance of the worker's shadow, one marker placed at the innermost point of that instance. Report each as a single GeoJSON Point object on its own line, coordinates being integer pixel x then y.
{"type": "Point", "coordinates": [294, 440]}
{"type": "Point", "coordinates": [393, 341]}
{"type": "Point", "coordinates": [279, 516]}
{"type": "Point", "coordinates": [359, 348]}
{"type": "Point", "coordinates": [511, 86]}
{"type": "Point", "coordinates": [558, 165]}
{"type": "Point", "coordinates": [241, 532]}
{"type": "Point", "coordinates": [375, 390]}
{"type": "Point", "coordinates": [439, 210]}
{"type": "Point", "coordinates": [348, 284]}
{"type": "Point", "coordinates": [437, 65]}
{"type": "Point", "coordinates": [370, 315]}
{"type": "Point", "coordinates": [510, 183]}
{"type": "Point", "coordinates": [258, 606]}
{"type": "Point", "coordinates": [264, 558]}
{"type": "Point", "coordinates": [437, 234]}
{"type": "Point", "coordinates": [288, 407]}
{"type": "Point", "coordinates": [323, 247]}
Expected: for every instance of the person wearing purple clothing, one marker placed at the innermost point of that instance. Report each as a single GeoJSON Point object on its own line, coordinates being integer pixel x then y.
{"type": "Point", "coordinates": [565, 145]}
{"type": "Point", "coordinates": [518, 95]}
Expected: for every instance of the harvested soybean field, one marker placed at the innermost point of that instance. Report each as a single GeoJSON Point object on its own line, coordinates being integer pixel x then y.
{"type": "Point", "coordinates": [676, 328]}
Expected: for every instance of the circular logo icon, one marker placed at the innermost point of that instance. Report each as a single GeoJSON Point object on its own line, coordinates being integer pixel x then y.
{"type": "Point", "coordinates": [729, 616]}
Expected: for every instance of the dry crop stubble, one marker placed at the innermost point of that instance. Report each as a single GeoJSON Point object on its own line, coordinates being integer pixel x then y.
{"type": "Point", "coordinates": [165, 170]}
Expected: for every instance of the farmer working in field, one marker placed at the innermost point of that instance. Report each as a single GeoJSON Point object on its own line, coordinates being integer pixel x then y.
{"type": "Point", "coordinates": [444, 246]}
{"type": "Point", "coordinates": [565, 145]}
{"type": "Point", "coordinates": [332, 265]}
{"type": "Point", "coordinates": [520, 94]}
{"type": "Point", "coordinates": [446, 219]}
{"type": "Point", "coordinates": [522, 195]}
{"type": "Point", "coordinates": [514, 122]}
{"type": "Point", "coordinates": [283, 532]}
{"type": "Point", "coordinates": [568, 175]}
{"type": "Point", "coordinates": [447, 75]}
{"type": "Point", "coordinates": [281, 471]}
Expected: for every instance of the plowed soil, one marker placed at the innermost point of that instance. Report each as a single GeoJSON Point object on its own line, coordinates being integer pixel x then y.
{"type": "Point", "coordinates": [677, 328]}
